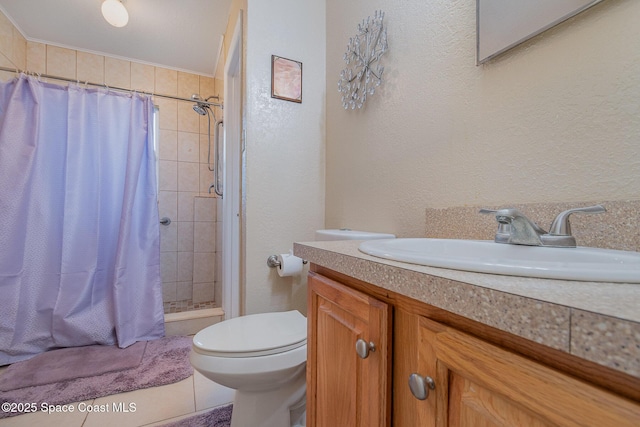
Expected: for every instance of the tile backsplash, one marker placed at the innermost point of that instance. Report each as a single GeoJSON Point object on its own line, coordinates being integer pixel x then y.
{"type": "Point", "coordinates": [618, 228]}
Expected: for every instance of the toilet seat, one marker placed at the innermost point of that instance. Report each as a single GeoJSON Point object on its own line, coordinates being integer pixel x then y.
{"type": "Point", "coordinates": [253, 335]}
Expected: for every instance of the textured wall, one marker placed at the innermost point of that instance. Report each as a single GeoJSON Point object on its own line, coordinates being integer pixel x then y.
{"type": "Point", "coordinates": [555, 119]}
{"type": "Point", "coordinates": [284, 148]}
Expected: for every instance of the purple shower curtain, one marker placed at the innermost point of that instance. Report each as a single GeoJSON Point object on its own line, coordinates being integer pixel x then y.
{"type": "Point", "coordinates": [79, 232]}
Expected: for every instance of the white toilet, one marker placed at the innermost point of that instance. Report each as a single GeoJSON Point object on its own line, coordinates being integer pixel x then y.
{"type": "Point", "coordinates": [263, 357]}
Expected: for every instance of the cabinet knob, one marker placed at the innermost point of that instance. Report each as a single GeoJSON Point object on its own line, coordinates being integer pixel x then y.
{"type": "Point", "coordinates": [420, 385]}
{"type": "Point", "coordinates": [363, 348]}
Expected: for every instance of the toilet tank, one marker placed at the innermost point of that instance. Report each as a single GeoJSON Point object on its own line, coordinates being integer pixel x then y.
{"type": "Point", "coordinates": [348, 234]}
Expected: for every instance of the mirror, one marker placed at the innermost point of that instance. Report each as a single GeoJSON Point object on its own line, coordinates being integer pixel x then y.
{"type": "Point", "coordinates": [503, 24]}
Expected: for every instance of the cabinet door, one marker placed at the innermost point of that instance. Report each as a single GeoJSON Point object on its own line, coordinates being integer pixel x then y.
{"type": "Point", "coordinates": [344, 389]}
{"type": "Point", "coordinates": [488, 386]}
{"type": "Point", "coordinates": [414, 340]}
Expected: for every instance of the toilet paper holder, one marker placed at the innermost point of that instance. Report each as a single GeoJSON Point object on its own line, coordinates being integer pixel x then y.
{"type": "Point", "coordinates": [273, 262]}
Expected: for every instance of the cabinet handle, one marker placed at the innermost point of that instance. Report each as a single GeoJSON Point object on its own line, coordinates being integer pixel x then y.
{"type": "Point", "coordinates": [420, 385]}
{"type": "Point", "coordinates": [363, 348]}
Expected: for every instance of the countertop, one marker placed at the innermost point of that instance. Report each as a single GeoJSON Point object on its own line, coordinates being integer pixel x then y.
{"type": "Point", "coordinates": [599, 322]}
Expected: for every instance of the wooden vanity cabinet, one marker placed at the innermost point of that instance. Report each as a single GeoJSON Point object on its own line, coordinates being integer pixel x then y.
{"type": "Point", "coordinates": [346, 387]}
{"type": "Point", "coordinates": [477, 383]}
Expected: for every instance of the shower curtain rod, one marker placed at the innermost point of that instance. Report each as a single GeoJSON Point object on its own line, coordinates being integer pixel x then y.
{"type": "Point", "coordinates": [103, 85]}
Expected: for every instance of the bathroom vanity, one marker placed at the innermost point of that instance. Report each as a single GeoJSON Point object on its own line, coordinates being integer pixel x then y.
{"type": "Point", "coordinates": [398, 344]}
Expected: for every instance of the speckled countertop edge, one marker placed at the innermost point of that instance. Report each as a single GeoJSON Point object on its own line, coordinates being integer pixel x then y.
{"type": "Point", "coordinates": [595, 321]}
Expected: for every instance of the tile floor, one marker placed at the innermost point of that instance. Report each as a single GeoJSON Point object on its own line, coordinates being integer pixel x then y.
{"type": "Point", "coordinates": [153, 406]}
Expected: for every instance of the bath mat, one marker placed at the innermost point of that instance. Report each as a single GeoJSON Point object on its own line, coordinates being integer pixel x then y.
{"type": "Point", "coordinates": [218, 417]}
{"type": "Point", "coordinates": [164, 361]}
{"type": "Point", "coordinates": [71, 363]}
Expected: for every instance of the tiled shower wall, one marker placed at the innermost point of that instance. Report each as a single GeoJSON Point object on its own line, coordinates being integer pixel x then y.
{"type": "Point", "coordinates": [189, 243]}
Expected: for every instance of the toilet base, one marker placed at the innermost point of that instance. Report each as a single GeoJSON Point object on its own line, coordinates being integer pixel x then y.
{"type": "Point", "coordinates": [271, 408]}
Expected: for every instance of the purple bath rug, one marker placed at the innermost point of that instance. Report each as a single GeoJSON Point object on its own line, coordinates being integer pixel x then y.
{"type": "Point", "coordinates": [64, 364]}
{"type": "Point", "coordinates": [164, 361]}
{"type": "Point", "coordinates": [218, 417]}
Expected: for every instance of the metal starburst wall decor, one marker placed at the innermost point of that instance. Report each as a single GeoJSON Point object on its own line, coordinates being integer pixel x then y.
{"type": "Point", "coordinates": [363, 72]}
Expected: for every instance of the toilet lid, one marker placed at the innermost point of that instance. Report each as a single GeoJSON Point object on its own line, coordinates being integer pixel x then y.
{"type": "Point", "coordinates": [253, 335]}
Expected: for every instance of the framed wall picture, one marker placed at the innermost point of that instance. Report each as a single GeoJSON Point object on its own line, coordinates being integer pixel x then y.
{"type": "Point", "coordinates": [286, 79]}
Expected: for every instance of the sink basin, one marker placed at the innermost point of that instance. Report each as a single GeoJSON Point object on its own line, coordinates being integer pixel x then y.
{"type": "Point", "coordinates": [581, 263]}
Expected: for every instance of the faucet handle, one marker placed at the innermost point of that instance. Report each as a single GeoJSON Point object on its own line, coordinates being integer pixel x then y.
{"type": "Point", "coordinates": [561, 225]}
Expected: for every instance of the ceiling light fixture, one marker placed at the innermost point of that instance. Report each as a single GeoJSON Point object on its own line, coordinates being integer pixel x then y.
{"type": "Point", "coordinates": [115, 13]}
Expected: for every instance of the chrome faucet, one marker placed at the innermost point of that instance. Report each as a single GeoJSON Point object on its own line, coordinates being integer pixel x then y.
{"type": "Point", "coordinates": [516, 229]}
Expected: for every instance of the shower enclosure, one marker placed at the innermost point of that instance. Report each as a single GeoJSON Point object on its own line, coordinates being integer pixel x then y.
{"type": "Point", "coordinates": [190, 244]}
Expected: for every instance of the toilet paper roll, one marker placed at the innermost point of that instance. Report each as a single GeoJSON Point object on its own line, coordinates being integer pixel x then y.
{"type": "Point", "coordinates": [290, 265]}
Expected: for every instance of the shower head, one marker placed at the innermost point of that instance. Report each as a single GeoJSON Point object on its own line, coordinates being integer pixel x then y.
{"type": "Point", "coordinates": [199, 107]}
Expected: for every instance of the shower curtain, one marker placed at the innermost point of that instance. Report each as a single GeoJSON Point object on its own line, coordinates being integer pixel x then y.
{"type": "Point", "coordinates": [79, 228]}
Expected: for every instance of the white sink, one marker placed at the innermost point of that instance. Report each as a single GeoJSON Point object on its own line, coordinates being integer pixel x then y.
{"type": "Point", "coordinates": [581, 263]}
